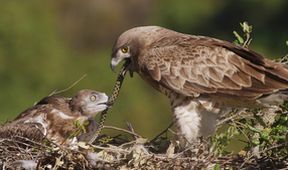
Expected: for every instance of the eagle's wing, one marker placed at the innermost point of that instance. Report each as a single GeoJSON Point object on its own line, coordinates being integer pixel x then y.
{"type": "Point", "coordinates": [200, 65]}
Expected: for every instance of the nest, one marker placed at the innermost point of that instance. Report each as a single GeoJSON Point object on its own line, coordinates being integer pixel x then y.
{"type": "Point", "coordinates": [25, 146]}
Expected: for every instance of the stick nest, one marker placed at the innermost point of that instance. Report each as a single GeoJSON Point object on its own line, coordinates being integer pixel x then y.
{"type": "Point", "coordinates": [23, 145]}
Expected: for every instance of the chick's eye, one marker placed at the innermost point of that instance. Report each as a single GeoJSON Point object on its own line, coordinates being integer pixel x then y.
{"type": "Point", "coordinates": [124, 49]}
{"type": "Point", "coordinates": [93, 98]}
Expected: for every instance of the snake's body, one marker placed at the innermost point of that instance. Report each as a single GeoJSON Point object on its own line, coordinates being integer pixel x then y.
{"type": "Point", "coordinates": [111, 101]}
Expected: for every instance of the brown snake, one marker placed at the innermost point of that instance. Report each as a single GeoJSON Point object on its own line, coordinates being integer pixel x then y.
{"type": "Point", "coordinates": [112, 99]}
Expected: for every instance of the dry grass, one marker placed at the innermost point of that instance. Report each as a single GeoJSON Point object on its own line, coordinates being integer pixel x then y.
{"type": "Point", "coordinates": [25, 142]}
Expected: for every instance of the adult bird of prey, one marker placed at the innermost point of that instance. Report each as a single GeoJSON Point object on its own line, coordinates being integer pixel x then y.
{"type": "Point", "coordinates": [201, 76]}
{"type": "Point", "coordinates": [55, 115]}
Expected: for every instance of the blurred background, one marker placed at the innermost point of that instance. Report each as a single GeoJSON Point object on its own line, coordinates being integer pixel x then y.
{"type": "Point", "coordinates": [48, 45]}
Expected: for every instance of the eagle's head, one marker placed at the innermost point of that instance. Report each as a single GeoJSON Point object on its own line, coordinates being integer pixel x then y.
{"type": "Point", "coordinates": [131, 43]}
{"type": "Point", "coordinates": [89, 102]}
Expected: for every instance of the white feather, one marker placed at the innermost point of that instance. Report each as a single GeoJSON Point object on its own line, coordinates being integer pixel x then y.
{"type": "Point", "coordinates": [195, 119]}
{"type": "Point", "coordinates": [61, 114]}
{"type": "Point", "coordinates": [40, 120]}
{"type": "Point", "coordinates": [188, 120]}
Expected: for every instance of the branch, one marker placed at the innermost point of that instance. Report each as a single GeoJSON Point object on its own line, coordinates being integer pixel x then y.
{"type": "Point", "coordinates": [123, 130]}
{"type": "Point", "coordinates": [69, 87]}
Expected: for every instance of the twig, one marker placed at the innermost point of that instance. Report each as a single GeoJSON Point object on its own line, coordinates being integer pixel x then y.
{"type": "Point", "coordinates": [69, 87]}
{"type": "Point", "coordinates": [243, 125]}
{"type": "Point", "coordinates": [182, 152]}
{"type": "Point", "coordinates": [237, 115]}
{"type": "Point", "coordinates": [228, 116]}
{"type": "Point", "coordinates": [34, 142]}
{"type": "Point", "coordinates": [226, 119]}
{"type": "Point", "coordinates": [111, 149]}
{"type": "Point", "coordinates": [128, 143]}
{"type": "Point", "coordinates": [161, 133]}
{"type": "Point", "coordinates": [130, 127]}
{"type": "Point", "coordinates": [273, 147]}
{"type": "Point", "coordinates": [247, 41]}
{"type": "Point", "coordinates": [173, 132]}
{"type": "Point", "coordinates": [123, 130]}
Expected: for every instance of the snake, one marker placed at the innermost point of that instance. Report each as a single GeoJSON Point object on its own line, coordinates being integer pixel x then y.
{"type": "Point", "coordinates": [111, 101]}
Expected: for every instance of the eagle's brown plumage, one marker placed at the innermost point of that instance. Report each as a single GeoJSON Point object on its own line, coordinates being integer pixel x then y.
{"type": "Point", "coordinates": [210, 73]}
{"type": "Point", "coordinates": [56, 116]}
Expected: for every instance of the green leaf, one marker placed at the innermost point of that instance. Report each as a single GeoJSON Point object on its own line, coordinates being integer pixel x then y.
{"type": "Point", "coordinates": [217, 167]}
{"type": "Point", "coordinates": [254, 129]}
{"type": "Point", "coordinates": [265, 134]}
{"type": "Point", "coordinates": [246, 27]}
{"type": "Point", "coordinates": [239, 38]}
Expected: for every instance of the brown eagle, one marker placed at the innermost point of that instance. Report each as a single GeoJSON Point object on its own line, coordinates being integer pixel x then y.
{"type": "Point", "coordinates": [56, 116]}
{"type": "Point", "coordinates": [201, 76]}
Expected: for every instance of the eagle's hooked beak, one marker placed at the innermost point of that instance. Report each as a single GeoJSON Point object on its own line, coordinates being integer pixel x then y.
{"type": "Point", "coordinates": [112, 66]}
{"type": "Point", "coordinates": [114, 63]}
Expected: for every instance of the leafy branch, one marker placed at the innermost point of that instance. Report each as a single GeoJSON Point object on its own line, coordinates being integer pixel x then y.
{"type": "Point", "coordinates": [263, 132]}
{"type": "Point", "coordinates": [246, 39]}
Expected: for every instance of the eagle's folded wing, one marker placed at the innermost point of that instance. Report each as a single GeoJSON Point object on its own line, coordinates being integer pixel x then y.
{"type": "Point", "coordinates": [214, 68]}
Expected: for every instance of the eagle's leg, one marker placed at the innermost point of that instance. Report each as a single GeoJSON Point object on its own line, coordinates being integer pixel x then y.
{"type": "Point", "coordinates": [194, 118]}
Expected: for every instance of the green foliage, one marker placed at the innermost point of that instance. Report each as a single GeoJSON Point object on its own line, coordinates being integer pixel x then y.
{"type": "Point", "coordinates": [221, 140]}
{"type": "Point", "coordinates": [80, 128]}
{"type": "Point", "coordinates": [217, 167]}
{"type": "Point", "coordinates": [260, 137]}
{"type": "Point", "coordinates": [239, 40]}
{"type": "Point", "coordinates": [265, 131]}
{"type": "Point", "coordinates": [246, 39]}
{"type": "Point", "coordinates": [270, 137]}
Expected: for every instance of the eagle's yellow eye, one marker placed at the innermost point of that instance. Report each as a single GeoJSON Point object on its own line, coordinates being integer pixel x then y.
{"type": "Point", "coordinates": [93, 98]}
{"type": "Point", "coordinates": [124, 49]}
